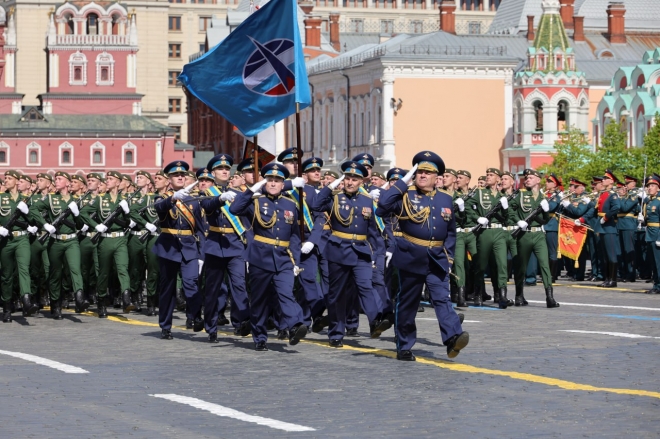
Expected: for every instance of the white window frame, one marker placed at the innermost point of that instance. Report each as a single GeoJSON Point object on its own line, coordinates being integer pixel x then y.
{"type": "Point", "coordinates": [61, 149]}
{"type": "Point", "coordinates": [92, 148]}
{"type": "Point", "coordinates": [77, 59]}
{"type": "Point", "coordinates": [128, 147]}
{"type": "Point", "coordinates": [4, 146]}
{"type": "Point", "coordinates": [31, 147]}
{"type": "Point", "coordinates": [104, 59]}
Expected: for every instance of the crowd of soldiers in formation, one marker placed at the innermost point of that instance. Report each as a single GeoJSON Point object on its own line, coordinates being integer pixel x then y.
{"type": "Point", "coordinates": [240, 249]}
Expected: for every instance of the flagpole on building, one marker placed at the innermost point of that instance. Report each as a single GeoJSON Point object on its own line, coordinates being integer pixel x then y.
{"type": "Point", "coordinates": [300, 190]}
{"type": "Point", "coordinates": [255, 153]}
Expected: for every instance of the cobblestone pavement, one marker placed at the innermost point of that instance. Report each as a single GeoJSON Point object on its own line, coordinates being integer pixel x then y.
{"type": "Point", "coordinates": [521, 375]}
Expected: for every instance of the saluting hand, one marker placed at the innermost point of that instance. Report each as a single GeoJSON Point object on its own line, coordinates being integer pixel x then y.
{"type": "Point", "coordinates": [335, 183]}
{"type": "Point", "coordinates": [408, 177]}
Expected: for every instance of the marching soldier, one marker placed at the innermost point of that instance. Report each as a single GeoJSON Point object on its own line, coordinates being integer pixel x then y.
{"type": "Point", "coordinates": [39, 264]}
{"type": "Point", "coordinates": [626, 226]}
{"type": "Point", "coordinates": [366, 160]}
{"type": "Point", "coordinates": [580, 209]}
{"type": "Point", "coordinates": [553, 195]}
{"type": "Point", "coordinates": [424, 253]}
{"type": "Point", "coordinates": [88, 250]}
{"type": "Point", "coordinates": [608, 208]}
{"type": "Point", "coordinates": [594, 237]}
{"type": "Point", "coordinates": [178, 249]}
{"type": "Point", "coordinates": [63, 246]}
{"type": "Point", "coordinates": [273, 254]}
{"type": "Point", "coordinates": [651, 212]}
{"type": "Point", "coordinates": [349, 251]}
{"type": "Point", "coordinates": [14, 247]}
{"type": "Point", "coordinates": [466, 241]}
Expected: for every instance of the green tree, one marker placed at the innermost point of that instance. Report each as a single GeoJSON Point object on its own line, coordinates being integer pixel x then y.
{"type": "Point", "coordinates": [571, 157]}
{"type": "Point", "coordinates": [651, 149]}
{"type": "Point", "coordinates": [614, 154]}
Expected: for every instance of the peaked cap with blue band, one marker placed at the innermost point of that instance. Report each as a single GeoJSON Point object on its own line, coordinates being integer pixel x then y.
{"type": "Point", "coordinates": [312, 163]}
{"type": "Point", "coordinates": [365, 160]}
{"type": "Point", "coordinates": [176, 167]}
{"type": "Point", "coordinates": [354, 168]}
{"type": "Point", "coordinates": [396, 173]}
{"type": "Point", "coordinates": [203, 173]}
{"type": "Point", "coordinates": [429, 161]}
{"type": "Point", "coordinates": [275, 170]}
{"type": "Point", "coordinates": [288, 154]}
{"type": "Point", "coordinates": [247, 165]}
{"type": "Point", "coordinates": [220, 160]}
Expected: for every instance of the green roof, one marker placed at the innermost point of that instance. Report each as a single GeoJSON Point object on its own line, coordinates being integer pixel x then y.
{"type": "Point", "coordinates": [551, 37]}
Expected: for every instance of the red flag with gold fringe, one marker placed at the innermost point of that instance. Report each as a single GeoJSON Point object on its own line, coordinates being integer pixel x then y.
{"type": "Point", "coordinates": [571, 239]}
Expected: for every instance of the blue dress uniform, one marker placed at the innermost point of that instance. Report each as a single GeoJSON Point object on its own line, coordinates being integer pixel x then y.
{"type": "Point", "coordinates": [223, 253]}
{"type": "Point", "coordinates": [577, 209]}
{"type": "Point", "coordinates": [392, 231]}
{"type": "Point", "coordinates": [350, 256]}
{"type": "Point", "coordinates": [313, 300]}
{"type": "Point", "coordinates": [424, 256]}
{"type": "Point", "coordinates": [594, 235]}
{"type": "Point", "coordinates": [626, 225]}
{"type": "Point", "coordinates": [651, 211]}
{"type": "Point", "coordinates": [178, 250]}
{"type": "Point", "coordinates": [273, 254]}
{"type": "Point", "coordinates": [608, 208]}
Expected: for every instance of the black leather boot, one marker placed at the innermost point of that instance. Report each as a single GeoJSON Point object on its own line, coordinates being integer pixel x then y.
{"type": "Point", "coordinates": [612, 268]}
{"type": "Point", "coordinates": [101, 308]}
{"type": "Point", "coordinates": [6, 312]}
{"type": "Point", "coordinates": [520, 297]}
{"type": "Point", "coordinates": [478, 299]}
{"type": "Point", "coordinates": [553, 270]}
{"type": "Point", "coordinates": [606, 275]}
{"type": "Point", "coordinates": [503, 302]}
{"type": "Point", "coordinates": [126, 301]}
{"type": "Point", "coordinates": [496, 295]}
{"type": "Point", "coordinates": [29, 308]}
{"type": "Point", "coordinates": [151, 310]}
{"type": "Point", "coordinates": [135, 298]}
{"type": "Point", "coordinates": [56, 309]}
{"type": "Point", "coordinates": [81, 303]}
{"type": "Point", "coordinates": [460, 297]}
{"type": "Point", "coordinates": [549, 299]}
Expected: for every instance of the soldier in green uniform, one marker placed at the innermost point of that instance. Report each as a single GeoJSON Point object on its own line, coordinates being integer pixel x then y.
{"type": "Point", "coordinates": [492, 241]}
{"type": "Point", "coordinates": [112, 244]}
{"type": "Point", "coordinates": [90, 261]}
{"type": "Point", "coordinates": [532, 239]}
{"type": "Point", "coordinates": [651, 212]}
{"type": "Point", "coordinates": [449, 182]}
{"type": "Point", "coordinates": [142, 259]}
{"type": "Point", "coordinates": [14, 247]}
{"type": "Point", "coordinates": [39, 265]}
{"type": "Point", "coordinates": [63, 244]}
{"type": "Point", "coordinates": [466, 241]}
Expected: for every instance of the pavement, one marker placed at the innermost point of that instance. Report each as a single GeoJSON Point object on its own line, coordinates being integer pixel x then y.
{"type": "Point", "coordinates": [586, 369]}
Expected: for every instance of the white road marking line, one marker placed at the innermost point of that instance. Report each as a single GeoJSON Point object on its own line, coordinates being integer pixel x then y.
{"type": "Point", "coordinates": [613, 334]}
{"type": "Point", "coordinates": [596, 305]}
{"type": "Point", "coordinates": [435, 320]}
{"type": "Point", "coordinates": [66, 368]}
{"type": "Point", "coordinates": [231, 413]}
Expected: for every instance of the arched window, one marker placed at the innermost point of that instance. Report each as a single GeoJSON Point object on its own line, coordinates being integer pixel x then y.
{"type": "Point", "coordinates": [66, 154]}
{"type": "Point", "coordinates": [129, 155]}
{"type": "Point", "coordinates": [562, 116]}
{"type": "Point", "coordinates": [33, 154]}
{"type": "Point", "coordinates": [115, 24]}
{"type": "Point", "coordinates": [92, 24]}
{"type": "Point", "coordinates": [97, 154]}
{"type": "Point", "coordinates": [68, 26]}
{"type": "Point", "coordinates": [105, 69]}
{"type": "Point", "coordinates": [538, 113]}
{"type": "Point", "coordinates": [78, 69]}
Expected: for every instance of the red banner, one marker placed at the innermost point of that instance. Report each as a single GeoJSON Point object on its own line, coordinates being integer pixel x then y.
{"type": "Point", "coordinates": [571, 238]}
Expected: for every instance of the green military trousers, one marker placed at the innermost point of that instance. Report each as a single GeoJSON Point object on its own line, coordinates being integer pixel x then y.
{"type": "Point", "coordinates": [90, 264]}
{"type": "Point", "coordinates": [111, 250]}
{"type": "Point", "coordinates": [14, 259]}
{"type": "Point", "coordinates": [465, 242]}
{"type": "Point", "coordinates": [143, 261]}
{"type": "Point", "coordinates": [492, 241]}
{"type": "Point", "coordinates": [529, 242]}
{"type": "Point", "coordinates": [39, 265]}
{"type": "Point", "coordinates": [63, 254]}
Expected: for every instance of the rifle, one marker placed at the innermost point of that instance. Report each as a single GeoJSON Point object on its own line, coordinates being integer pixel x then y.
{"type": "Point", "coordinates": [17, 213]}
{"type": "Point", "coordinates": [62, 216]}
{"type": "Point", "coordinates": [469, 194]}
{"type": "Point", "coordinates": [143, 238]}
{"type": "Point", "coordinates": [491, 213]}
{"type": "Point", "coordinates": [639, 222]}
{"type": "Point", "coordinates": [532, 215]}
{"type": "Point", "coordinates": [111, 218]}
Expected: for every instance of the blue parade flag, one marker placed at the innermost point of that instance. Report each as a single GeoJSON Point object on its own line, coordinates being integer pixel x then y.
{"type": "Point", "coordinates": [256, 75]}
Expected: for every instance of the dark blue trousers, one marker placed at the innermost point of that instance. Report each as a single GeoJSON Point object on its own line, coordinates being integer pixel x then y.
{"type": "Point", "coordinates": [653, 255]}
{"type": "Point", "coordinates": [216, 294]}
{"type": "Point", "coordinates": [627, 245]}
{"type": "Point", "coordinates": [167, 282]}
{"type": "Point", "coordinates": [325, 275]}
{"type": "Point", "coordinates": [352, 307]}
{"type": "Point", "coordinates": [378, 281]}
{"type": "Point", "coordinates": [594, 242]}
{"type": "Point", "coordinates": [341, 278]}
{"type": "Point", "coordinates": [313, 300]}
{"type": "Point", "coordinates": [408, 301]}
{"type": "Point", "coordinates": [265, 288]}
{"type": "Point", "coordinates": [609, 243]}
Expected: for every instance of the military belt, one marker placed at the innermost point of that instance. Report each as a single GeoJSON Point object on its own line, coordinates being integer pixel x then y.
{"type": "Point", "coordinates": [177, 232]}
{"type": "Point", "coordinates": [276, 242]}
{"type": "Point", "coordinates": [464, 229]}
{"type": "Point", "coordinates": [621, 215]}
{"type": "Point", "coordinates": [601, 214]}
{"type": "Point", "coordinates": [354, 237]}
{"type": "Point", "coordinates": [533, 229]}
{"type": "Point", "coordinates": [65, 237]}
{"type": "Point", "coordinates": [652, 224]}
{"type": "Point", "coordinates": [494, 226]}
{"type": "Point", "coordinates": [112, 235]}
{"type": "Point", "coordinates": [326, 227]}
{"type": "Point", "coordinates": [399, 234]}
{"type": "Point", "coordinates": [422, 242]}
{"type": "Point", "coordinates": [221, 229]}
{"type": "Point", "coordinates": [90, 234]}
{"type": "Point", "coordinates": [143, 232]}
{"type": "Point", "coordinates": [19, 233]}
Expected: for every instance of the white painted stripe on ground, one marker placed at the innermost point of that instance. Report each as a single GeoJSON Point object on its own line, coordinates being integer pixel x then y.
{"type": "Point", "coordinates": [66, 368]}
{"type": "Point", "coordinates": [231, 413]}
{"type": "Point", "coordinates": [597, 305]}
{"type": "Point", "coordinates": [435, 320]}
{"type": "Point", "coordinates": [613, 334]}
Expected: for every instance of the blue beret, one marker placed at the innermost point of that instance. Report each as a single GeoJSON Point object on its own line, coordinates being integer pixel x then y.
{"type": "Point", "coordinates": [275, 170]}
{"type": "Point", "coordinates": [312, 163]}
{"type": "Point", "coordinates": [220, 160]}
{"type": "Point", "coordinates": [429, 161]}
{"type": "Point", "coordinates": [176, 167]}
{"type": "Point", "coordinates": [354, 168]}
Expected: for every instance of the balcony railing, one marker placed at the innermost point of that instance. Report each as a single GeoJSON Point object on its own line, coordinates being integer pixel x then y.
{"type": "Point", "coordinates": [92, 40]}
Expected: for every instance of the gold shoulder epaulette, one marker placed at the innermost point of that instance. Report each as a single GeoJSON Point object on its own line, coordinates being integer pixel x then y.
{"type": "Point", "coordinates": [444, 192]}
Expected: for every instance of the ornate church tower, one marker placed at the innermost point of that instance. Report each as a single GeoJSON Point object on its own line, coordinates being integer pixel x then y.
{"type": "Point", "coordinates": [550, 96]}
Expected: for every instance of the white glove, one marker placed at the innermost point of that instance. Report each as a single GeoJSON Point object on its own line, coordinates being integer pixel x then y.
{"type": "Point", "coordinates": [504, 202]}
{"type": "Point", "coordinates": [307, 247]}
{"type": "Point", "coordinates": [201, 265]}
{"type": "Point", "coordinates": [257, 186]}
{"type": "Point", "coordinates": [544, 205]}
{"type": "Point", "coordinates": [641, 195]}
{"type": "Point", "coordinates": [150, 227]}
{"type": "Point", "coordinates": [335, 183]}
{"type": "Point", "coordinates": [23, 207]}
{"type": "Point", "coordinates": [228, 196]}
{"type": "Point", "coordinates": [586, 200]}
{"type": "Point", "coordinates": [298, 182]}
{"type": "Point", "coordinates": [247, 267]}
{"type": "Point", "coordinates": [131, 224]}
{"type": "Point", "coordinates": [178, 195]}
{"type": "Point", "coordinates": [408, 177]}
{"type": "Point", "coordinates": [101, 228]}
{"type": "Point", "coordinates": [640, 217]}
{"type": "Point", "coordinates": [32, 230]}
{"type": "Point", "coordinates": [49, 228]}
{"type": "Point", "coordinates": [3, 232]}
{"type": "Point", "coordinates": [602, 220]}
{"type": "Point", "coordinates": [460, 203]}
{"type": "Point", "coordinates": [296, 270]}
{"type": "Point", "coordinates": [483, 221]}
{"type": "Point", "coordinates": [565, 203]}
{"type": "Point", "coordinates": [375, 194]}
{"type": "Point", "coordinates": [74, 208]}
{"type": "Point", "coordinates": [657, 243]}
{"type": "Point", "coordinates": [124, 206]}
{"type": "Point", "coordinates": [388, 258]}
{"type": "Point", "coordinates": [84, 228]}
{"type": "Point", "coordinates": [577, 222]}
{"type": "Point", "coordinates": [522, 224]}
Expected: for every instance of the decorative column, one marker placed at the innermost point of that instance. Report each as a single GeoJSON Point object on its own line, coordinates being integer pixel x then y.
{"type": "Point", "coordinates": [387, 123]}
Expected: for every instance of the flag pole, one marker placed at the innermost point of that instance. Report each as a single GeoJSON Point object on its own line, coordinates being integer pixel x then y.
{"type": "Point", "coordinates": [300, 190]}
{"type": "Point", "coordinates": [255, 154]}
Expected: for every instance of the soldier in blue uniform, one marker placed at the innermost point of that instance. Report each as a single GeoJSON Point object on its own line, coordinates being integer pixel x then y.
{"type": "Point", "coordinates": [626, 225]}
{"type": "Point", "coordinates": [608, 208]}
{"type": "Point", "coordinates": [223, 252]}
{"type": "Point", "coordinates": [651, 212]}
{"type": "Point", "coordinates": [289, 158]}
{"type": "Point", "coordinates": [366, 160]}
{"type": "Point", "coordinates": [424, 253]}
{"type": "Point", "coordinates": [577, 208]}
{"type": "Point", "coordinates": [594, 237]}
{"type": "Point", "coordinates": [273, 254]}
{"type": "Point", "coordinates": [178, 249]}
{"type": "Point", "coordinates": [349, 251]}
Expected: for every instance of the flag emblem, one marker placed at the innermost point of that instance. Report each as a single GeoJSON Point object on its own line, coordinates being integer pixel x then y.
{"type": "Point", "coordinates": [267, 70]}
